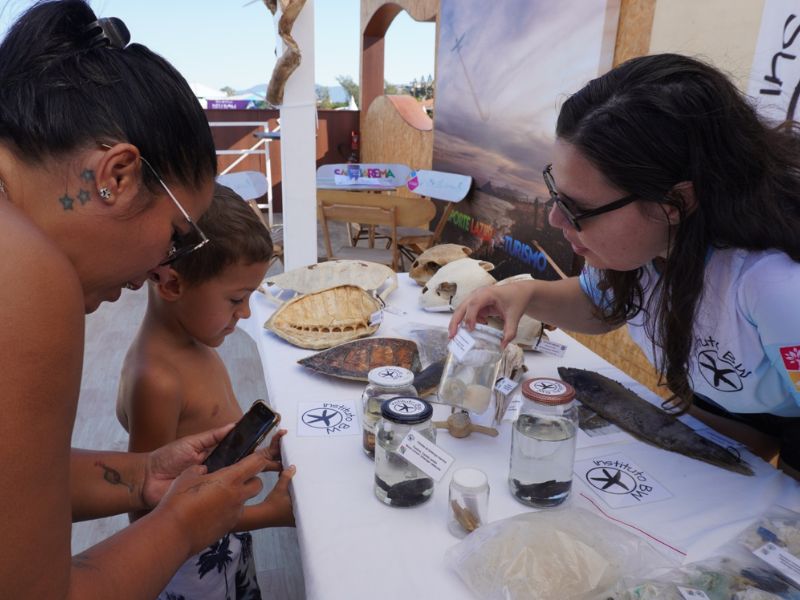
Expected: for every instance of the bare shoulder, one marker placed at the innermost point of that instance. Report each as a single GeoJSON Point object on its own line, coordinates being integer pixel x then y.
{"type": "Point", "coordinates": [41, 307]}
{"type": "Point", "coordinates": [41, 357]}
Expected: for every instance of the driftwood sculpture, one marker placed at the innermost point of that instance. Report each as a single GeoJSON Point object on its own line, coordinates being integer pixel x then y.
{"type": "Point", "coordinates": [290, 59]}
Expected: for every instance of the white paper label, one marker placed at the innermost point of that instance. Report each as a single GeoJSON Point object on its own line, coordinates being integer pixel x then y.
{"type": "Point", "coordinates": [787, 564]}
{"type": "Point", "coordinates": [512, 412]}
{"type": "Point", "coordinates": [692, 593]}
{"type": "Point", "coordinates": [461, 343]}
{"type": "Point", "coordinates": [505, 385]}
{"type": "Point", "coordinates": [395, 310]}
{"type": "Point", "coordinates": [376, 318]}
{"type": "Point", "coordinates": [551, 348]}
{"type": "Point", "coordinates": [425, 455]}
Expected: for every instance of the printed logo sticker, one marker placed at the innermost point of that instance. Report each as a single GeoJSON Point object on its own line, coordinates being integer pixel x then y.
{"type": "Point", "coordinates": [720, 369]}
{"type": "Point", "coordinates": [619, 482]}
{"type": "Point", "coordinates": [791, 362]}
{"type": "Point", "coordinates": [791, 358]}
{"type": "Point", "coordinates": [413, 183]}
{"type": "Point", "coordinates": [326, 419]}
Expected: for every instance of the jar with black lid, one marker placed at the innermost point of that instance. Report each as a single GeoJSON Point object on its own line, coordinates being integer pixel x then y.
{"type": "Point", "coordinates": [397, 481]}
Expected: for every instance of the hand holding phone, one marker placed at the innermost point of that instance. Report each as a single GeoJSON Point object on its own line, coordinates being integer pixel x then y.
{"type": "Point", "coordinates": [244, 438]}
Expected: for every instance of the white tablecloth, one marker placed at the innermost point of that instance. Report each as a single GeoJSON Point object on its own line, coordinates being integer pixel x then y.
{"type": "Point", "coordinates": [355, 547]}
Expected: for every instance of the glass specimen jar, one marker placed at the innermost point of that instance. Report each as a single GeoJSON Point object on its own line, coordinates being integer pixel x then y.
{"type": "Point", "coordinates": [397, 481]}
{"type": "Point", "coordinates": [384, 383]}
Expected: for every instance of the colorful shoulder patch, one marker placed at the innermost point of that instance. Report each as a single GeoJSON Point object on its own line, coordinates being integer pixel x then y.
{"type": "Point", "coordinates": [791, 362]}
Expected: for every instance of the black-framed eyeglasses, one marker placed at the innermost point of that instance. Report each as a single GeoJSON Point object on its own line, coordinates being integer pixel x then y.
{"type": "Point", "coordinates": [182, 244]}
{"type": "Point", "coordinates": [558, 200]}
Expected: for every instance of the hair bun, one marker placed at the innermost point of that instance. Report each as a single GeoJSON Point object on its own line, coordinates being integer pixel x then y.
{"type": "Point", "coordinates": [109, 31]}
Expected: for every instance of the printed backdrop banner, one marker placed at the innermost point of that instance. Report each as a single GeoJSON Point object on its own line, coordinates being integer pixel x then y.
{"type": "Point", "coordinates": [501, 76]}
{"type": "Point", "coordinates": [775, 76]}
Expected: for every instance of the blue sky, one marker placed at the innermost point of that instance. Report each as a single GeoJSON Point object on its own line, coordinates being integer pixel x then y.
{"type": "Point", "coordinates": [232, 42]}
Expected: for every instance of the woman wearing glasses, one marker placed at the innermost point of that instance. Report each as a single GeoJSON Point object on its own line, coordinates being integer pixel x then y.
{"type": "Point", "coordinates": [686, 209]}
{"type": "Point", "coordinates": [106, 162]}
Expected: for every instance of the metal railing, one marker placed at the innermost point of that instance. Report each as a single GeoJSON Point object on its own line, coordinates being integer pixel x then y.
{"type": "Point", "coordinates": [264, 138]}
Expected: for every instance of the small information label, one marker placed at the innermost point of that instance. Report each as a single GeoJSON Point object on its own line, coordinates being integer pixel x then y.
{"type": "Point", "coordinates": [692, 593]}
{"type": "Point", "coordinates": [376, 318]}
{"type": "Point", "coordinates": [395, 310]}
{"type": "Point", "coordinates": [505, 385]}
{"type": "Point", "coordinates": [462, 343]}
{"type": "Point", "coordinates": [551, 348]}
{"type": "Point", "coordinates": [787, 564]}
{"type": "Point", "coordinates": [425, 455]}
{"type": "Point", "coordinates": [512, 412]}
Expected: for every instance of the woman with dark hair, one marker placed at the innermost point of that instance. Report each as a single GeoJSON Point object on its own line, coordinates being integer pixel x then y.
{"type": "Point", "coordinates": [686, 209]}
{"type": "Point", "coordinates": [106, 162]}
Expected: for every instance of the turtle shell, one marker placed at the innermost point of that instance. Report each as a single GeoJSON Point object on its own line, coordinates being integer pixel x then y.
{"type": "Point", "coordinates": [354, 360]}
{"type": "Point", "coordinates": [326, 318]}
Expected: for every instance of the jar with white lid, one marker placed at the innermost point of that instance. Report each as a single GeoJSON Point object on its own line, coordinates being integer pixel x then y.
{"type": "Point", "coordinates": [399, 482]}
{"type": "Point", "coordinates": [543, 443]}
{"type": "Point", "coordinates": [384, 383]}
{"type": "Point", "coordinates": [470, 370]}
{"type": "Point", "coordinates": [469, 501]}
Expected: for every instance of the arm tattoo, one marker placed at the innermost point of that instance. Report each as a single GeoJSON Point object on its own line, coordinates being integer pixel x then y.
{"type": "Point", "coordinates": [112, 476]}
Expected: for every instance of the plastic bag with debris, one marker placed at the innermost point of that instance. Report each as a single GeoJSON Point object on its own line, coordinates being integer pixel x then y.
{"type": "Point", "coordinates": [732, 577]}
{"type": "Point", "coordinates": [566, 553]}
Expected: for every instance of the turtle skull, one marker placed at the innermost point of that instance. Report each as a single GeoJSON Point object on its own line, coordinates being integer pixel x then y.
{"type": "Point", "coordinates": [451, 284]}
{"type": "Point", "coordinates": [435, 258]}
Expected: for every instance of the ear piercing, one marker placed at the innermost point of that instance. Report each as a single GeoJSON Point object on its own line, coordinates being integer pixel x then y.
{"type": "Point", "coordinates": [105, 193]}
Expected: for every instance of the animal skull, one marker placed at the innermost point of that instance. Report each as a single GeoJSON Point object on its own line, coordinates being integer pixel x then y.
{"type": "Point", "coordinates": [435, 258]}
{"type": "Point", "coordinates": [451, 284]}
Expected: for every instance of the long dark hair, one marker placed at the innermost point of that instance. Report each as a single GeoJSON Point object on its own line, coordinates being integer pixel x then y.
{"type": "Point", "coordinates": [59, 92]}
{"type": "Point", "coordinates": [656, 121]}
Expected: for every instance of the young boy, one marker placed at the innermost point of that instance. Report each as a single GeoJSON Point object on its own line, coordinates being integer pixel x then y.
{"type": "Point", "coordinates": [174, 383]}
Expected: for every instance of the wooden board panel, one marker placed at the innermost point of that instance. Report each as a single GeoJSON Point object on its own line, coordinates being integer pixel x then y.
{"type": "Point", "coordinates": [388, 137]}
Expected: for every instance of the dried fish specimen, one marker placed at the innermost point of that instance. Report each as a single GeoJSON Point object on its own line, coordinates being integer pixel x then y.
{"type": "Point", "coordinates": [325, 319]}
{"type": "Point", "coordinates": [648, 423]}
{"type": "Point", "coordinates": [370, 276]}
{"type": "Point", "coordinates": [433, 259]}
{"type": "Point", "coordinates": [427, 381]}
{"type": "Point", "coordinates": [512, 366]}
{"type": "Point", "coordinates": [290, 59]}
{"type": "Point", "coordinates": [354, 360]}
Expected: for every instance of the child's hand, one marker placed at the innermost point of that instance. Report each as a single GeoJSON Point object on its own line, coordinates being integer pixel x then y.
{"type": "Point", "coordinates": [279, 502]}
{"type": "Point", "coordinates": [273, 452]}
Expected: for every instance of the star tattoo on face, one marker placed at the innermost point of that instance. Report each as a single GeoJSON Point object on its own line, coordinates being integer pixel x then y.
{"type": "Point", "coordinates": [87, 175]}
{"type": "Point", "coordinates": [84, 196]}
{"type": "Point", "coordinates": [66, 202]}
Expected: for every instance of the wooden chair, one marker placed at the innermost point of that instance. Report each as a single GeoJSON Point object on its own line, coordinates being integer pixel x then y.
{"type": "Point", "coordinates": [365, 215]}
{"type": "Point", "coordinates": [414, 240]}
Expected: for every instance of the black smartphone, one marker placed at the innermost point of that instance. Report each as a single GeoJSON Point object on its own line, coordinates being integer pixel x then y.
{"type": "Point", "coordinates": [245, 436]}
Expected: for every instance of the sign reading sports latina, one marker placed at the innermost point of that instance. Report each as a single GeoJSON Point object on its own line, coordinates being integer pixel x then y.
{"type": "Point", "coordinates": [500, 77]}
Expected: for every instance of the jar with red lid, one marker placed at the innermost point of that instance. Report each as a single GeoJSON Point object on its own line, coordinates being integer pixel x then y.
{"type": "Point", "coordinates": [543, 443]}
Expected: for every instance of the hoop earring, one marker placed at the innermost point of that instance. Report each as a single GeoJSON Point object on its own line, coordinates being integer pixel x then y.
{"type": "Point", "coordinates": [105, 193]}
